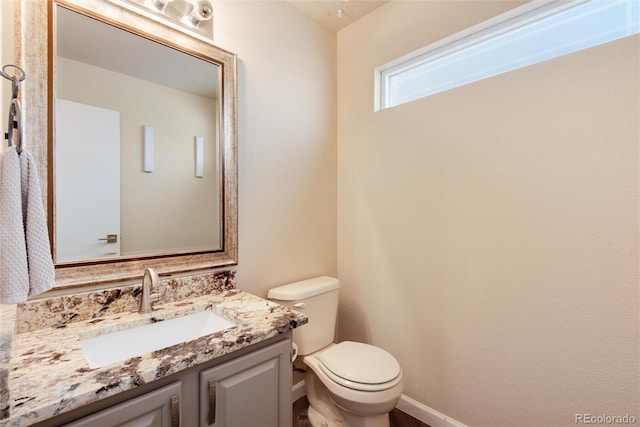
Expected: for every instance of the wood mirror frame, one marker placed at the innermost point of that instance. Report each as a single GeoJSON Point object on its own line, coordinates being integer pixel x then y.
{"type": "Point", "coordinates": [34, 47]}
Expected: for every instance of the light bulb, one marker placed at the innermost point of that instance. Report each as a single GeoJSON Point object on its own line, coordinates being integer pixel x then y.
{"type": "Point", "coordinates": [202, 11]}
{"type": "Point", "coordinates": [158, 5]}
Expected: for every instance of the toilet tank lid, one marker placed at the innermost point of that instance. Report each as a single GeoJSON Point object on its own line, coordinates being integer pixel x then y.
{"type": "Point", "coordinates": [304, 289]}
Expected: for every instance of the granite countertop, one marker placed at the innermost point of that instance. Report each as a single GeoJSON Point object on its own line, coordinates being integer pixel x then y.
{"type": "Point", "coordinates": [48, 374]}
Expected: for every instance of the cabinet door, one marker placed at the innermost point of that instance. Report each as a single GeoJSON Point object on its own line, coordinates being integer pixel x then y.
{"type": "Point", "coordinates": [158, 408]}
{"type": "Point", "coordinates": [251, 391]}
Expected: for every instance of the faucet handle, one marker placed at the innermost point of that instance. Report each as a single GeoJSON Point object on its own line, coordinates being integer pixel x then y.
{"type": "Point", "coordinates": [154, 297]}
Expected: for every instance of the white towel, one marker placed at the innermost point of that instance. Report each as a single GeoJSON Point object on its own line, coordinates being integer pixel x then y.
{"type": "Point", "coordinates": [26, 267]}
{"type": "Point", "coordinates": [14, 274]}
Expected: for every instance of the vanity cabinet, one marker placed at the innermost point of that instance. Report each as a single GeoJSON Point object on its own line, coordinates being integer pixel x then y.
{"type": "Point", "coordinates": [158, 408]}
{"type": "Point", "coordinates": [247, 388]}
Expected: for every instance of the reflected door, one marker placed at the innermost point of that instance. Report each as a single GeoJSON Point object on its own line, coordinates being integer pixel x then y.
{"type": "Point", "coordinates": [87, 209]}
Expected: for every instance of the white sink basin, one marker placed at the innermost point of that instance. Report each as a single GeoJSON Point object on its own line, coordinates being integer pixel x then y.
{"type": "Point", "coordinates": [122, 345]}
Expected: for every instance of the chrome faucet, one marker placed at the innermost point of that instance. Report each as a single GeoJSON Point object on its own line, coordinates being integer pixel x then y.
{"type": "Point", "coordinates": [149, 282]}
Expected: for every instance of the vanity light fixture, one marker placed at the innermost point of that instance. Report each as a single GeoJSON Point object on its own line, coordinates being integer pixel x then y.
{"type": "Point", "coordinates": [199, 157]}
{"type": "Point", "coordinates": [184, 14]}
{"type": "Point", "coordinates": [148, 149]}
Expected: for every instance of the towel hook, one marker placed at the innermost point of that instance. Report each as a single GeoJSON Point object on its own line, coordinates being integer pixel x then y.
{"type": "Point", "coordinates": [7, 76]}
{"type": "Point", "coordinates": [15, 115]}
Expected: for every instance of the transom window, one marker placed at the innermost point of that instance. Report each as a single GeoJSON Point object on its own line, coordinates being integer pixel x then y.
{"type": "Point", "coordinates": [535, 32]}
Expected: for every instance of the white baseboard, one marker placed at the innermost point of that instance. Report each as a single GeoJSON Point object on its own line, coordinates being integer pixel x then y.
{"type": "Point", "coordinates": [425, 414]}
{"type": "Point", "coordinates": [406, 404]}
{"type": "Point", "coordinates": [298, 390]}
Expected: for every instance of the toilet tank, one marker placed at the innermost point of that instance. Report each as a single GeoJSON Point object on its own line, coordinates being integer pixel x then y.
{"type": "Point", "coordinates": [318, 299]}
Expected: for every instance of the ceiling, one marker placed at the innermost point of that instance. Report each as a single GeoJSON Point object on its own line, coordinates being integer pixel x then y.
{"type": "Point", "coordinates": [326, 11]}
{"type": "Point", "coordinates": [87, 40]}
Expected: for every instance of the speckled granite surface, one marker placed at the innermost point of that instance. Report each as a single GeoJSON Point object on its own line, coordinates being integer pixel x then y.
{"type": "Point", "coordinates": [7, 331]}
{"type": "Point", "coordinates": [89, 305]}
{"type": "Point", "coordinates": [49, 375]}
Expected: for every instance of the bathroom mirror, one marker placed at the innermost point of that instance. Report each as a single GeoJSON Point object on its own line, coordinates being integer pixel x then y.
{"type": "Point", "coordinates": [142, 146]}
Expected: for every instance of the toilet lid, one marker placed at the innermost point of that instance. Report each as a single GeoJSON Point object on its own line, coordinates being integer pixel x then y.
{"type": "Point", "coordinates": [360, 363]}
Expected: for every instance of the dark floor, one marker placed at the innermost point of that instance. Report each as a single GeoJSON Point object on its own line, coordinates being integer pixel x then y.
{"type": "Point", "coordinates": [300, 413]}
{"type": "Point", "coordinates": [397, 418]}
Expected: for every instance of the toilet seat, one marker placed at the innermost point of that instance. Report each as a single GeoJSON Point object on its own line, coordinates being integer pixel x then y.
{"type": "Point", "coordinates": [360, 366]}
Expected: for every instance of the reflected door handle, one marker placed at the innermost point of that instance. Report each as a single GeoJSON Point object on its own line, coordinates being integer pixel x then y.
{"type": "Point", "coordinates": [111, 238]}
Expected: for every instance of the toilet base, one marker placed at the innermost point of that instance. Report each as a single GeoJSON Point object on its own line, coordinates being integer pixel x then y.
{"type": "Point", "coordinates": [322, 411]}
{"type": "Point", "coordinates": [325, 412]}
{"type": "Point", "coordinates": [352, 420]}
{"type": "Point", "coordinates": [317, 420]}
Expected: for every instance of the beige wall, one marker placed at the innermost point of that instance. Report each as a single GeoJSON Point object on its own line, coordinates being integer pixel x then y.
{"type": "Point", "coordinates": [286, 139]}
{"type": "Point", "coordinates": [149, 222]}
{"type": "Point", "coordinates": [488, 235]}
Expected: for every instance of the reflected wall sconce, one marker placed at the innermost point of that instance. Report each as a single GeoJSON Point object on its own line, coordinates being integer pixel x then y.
{"type": "Point", "coordinates": [148, 149]}
{"type": "Point", "coordinates": [199, 157]}
{"type": "Point", "coordinates": [195, 16]}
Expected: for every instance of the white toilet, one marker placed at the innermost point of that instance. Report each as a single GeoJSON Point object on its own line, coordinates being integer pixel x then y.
{"type": "Point", "coordinates": [349, 384]}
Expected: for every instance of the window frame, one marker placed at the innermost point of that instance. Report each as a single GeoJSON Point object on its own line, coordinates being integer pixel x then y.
{"type": "Point", "coordinates": [494, 27]}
